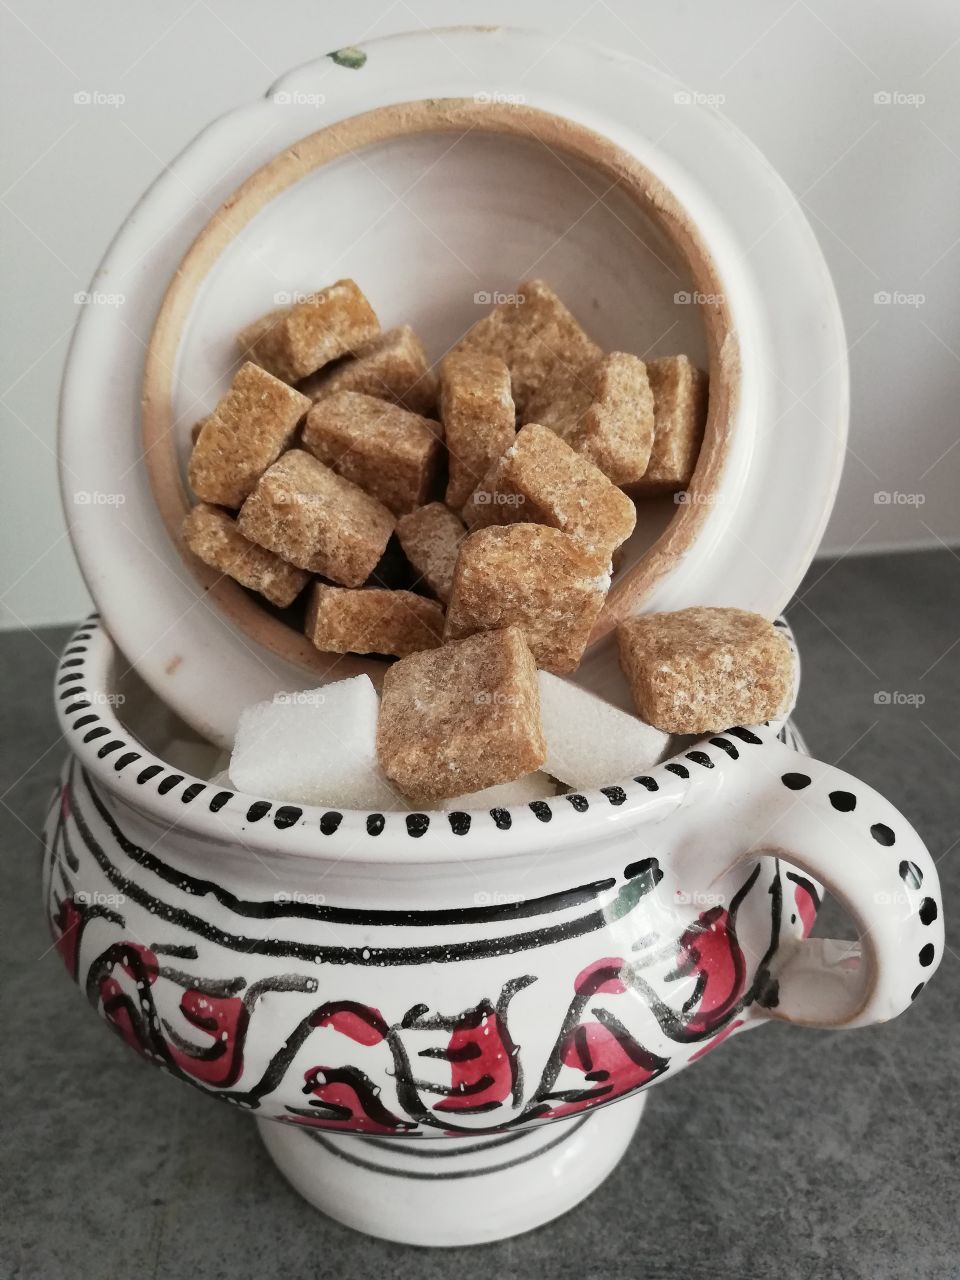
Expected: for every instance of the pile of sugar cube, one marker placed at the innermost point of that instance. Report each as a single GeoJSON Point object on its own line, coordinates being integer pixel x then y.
{"type": "Point", "coordinates": [465, 525]}
{"type": "Point", "coordinates": [474, 724]}
{"type": "Point", "coordinates": [325, 462]}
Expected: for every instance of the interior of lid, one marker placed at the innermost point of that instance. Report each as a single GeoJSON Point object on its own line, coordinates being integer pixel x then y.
{"type": "Point", "coordinates": [409, 201]}
{"type": "Point", "coordinates": [448, 199]}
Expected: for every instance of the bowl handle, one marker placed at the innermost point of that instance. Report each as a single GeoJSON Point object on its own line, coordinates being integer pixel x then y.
{"type": "Point", "coordinates": [844, 834]}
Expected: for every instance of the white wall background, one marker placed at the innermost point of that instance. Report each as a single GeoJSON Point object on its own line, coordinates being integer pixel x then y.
{"type": "Point", "coordinates": [880, 183]}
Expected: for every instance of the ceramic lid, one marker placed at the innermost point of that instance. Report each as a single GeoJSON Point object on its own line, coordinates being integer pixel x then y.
{"type": "Point", "coordinates": [434, 215]}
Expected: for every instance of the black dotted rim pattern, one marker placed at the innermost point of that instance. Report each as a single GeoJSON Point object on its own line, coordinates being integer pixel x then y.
{"type": "Point", "coordinates": [81, 718]}
{"type": "Point", "coordinates": [846, 802]}
{"type": "Point", "coordinates": [911, 875]}
{"type": "Point", "coordinates": [70, 688]}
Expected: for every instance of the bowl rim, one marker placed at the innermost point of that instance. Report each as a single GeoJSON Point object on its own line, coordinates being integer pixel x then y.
{"type": "Point", "coordinates": [383, 125]}
{"type": "Point", "coordinates": [106, 749]}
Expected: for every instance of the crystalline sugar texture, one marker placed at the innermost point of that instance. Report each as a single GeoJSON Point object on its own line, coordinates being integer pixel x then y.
{"type": "Point", "coordinates": [591, 743]}
{"type": "Point", "coordinates": [317, 746]}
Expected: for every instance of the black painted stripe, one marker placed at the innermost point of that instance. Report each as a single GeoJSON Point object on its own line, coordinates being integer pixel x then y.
{"type": "Point", "coordinates": [421, 1175]}
{"type": "Point", "coordinates": [523, 909]}
{"type": "Point", "coordinates": [509, 944]}
{"type": "Point", "coordinates": [428, 1148]}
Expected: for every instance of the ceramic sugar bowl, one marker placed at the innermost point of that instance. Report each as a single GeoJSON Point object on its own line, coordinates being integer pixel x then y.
{"type": "Point", "coordinates": [445, 1023]}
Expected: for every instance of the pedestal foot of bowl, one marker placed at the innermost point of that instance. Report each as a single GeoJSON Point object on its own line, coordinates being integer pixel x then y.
{"type": "Point", "coordinates": [453, 1191]}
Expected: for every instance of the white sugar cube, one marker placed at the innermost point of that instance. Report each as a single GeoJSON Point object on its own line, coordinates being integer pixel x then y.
{"type": "Point", "coordinates": [591, 743]}
{"type": "Point", "coordinates": [532, 786]}
{"type": "Point", "coordinates": [318, 746]}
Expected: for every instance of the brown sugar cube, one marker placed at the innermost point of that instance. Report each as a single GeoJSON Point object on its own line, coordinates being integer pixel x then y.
{"type": "Point", "coordinates": [460, 718]}
{"type": "Point", "coordinates": [294, 341]}
{"type": "Point", "coordinates": [247, 431]}
{"type": "Point", "coordinates": [532, 577]}
{"type": "Point", "coordinates": [541, 480]}
{"type": "Point", "coordinates": [313, 518]}
{"type": "Point", "coordinates": [702, 670]}
{"type": "Point", "coordinates": [536, 337]}
{"type": "Point", "coordinates": [388, 451]}
{"type": "Point", "coordinates": [680, 411]}
{"type": "Point", "coordinates": [392, 366]}
{"type": "Point", "coordinates": [431, 537]}
{"type": "Point", "coordinates": [372, 621]}
{"type": "Point", "coordinates": [478, 416]}
{"type": "Point", "coordinates": [214, 538]}
{"type": "Point", "coordinates": [604, 411]}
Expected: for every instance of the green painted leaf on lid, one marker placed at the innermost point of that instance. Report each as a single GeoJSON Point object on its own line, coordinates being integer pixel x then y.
{"type": "Point", "coordinates": [349, 57]}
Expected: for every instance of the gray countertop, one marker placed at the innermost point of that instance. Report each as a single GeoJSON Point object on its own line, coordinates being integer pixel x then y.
{"type": "Point", "coordinates": [788, 1153]}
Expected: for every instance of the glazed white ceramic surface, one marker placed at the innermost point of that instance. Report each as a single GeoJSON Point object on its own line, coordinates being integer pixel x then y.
{"type": "Point", "coordinates": [463, 1190]}
{"type": "Point", "coordinates": [466, 994]}
{"type": "Point", "coordinates": [423, 226]}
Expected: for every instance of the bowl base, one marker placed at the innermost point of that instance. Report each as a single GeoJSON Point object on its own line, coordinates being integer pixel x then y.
{"type": "Point", "coordinates": [453, 1191]}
